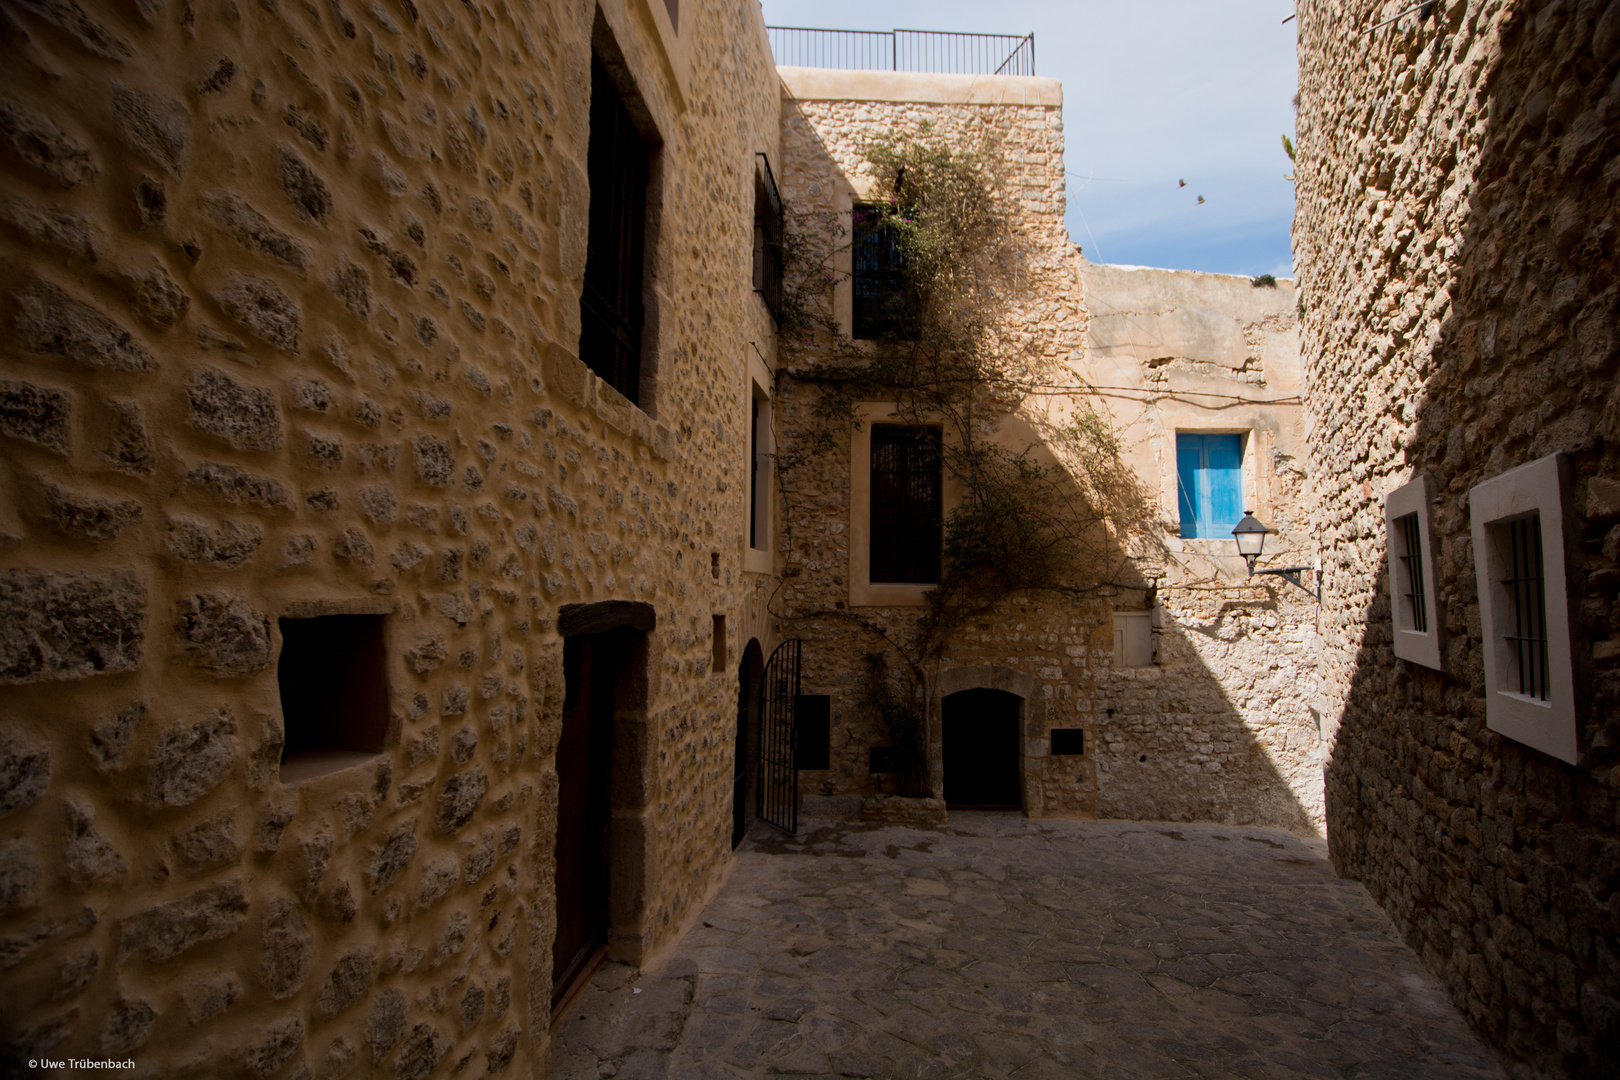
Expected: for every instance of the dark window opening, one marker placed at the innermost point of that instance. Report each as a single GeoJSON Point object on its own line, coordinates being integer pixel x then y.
{"type": "Point", "coordinates": [906, 512]}
{"type": "Point", "coordinates": [334, 687]}
{"type": "Point", "coordinates": [1411, 561]}
{"type": "Point", "coordinates": [768, 229]}
{"type": "Point", "coordinates": [1527, 583]}
{"type": "Point", "coordinates": [754, 499]}
{"type": "Point", "coordinates": [719, 643]}
{"type": "Point", "coordinates": [882, 305]}
{"type": "Point", "coordinates": [611, 312]}
{"type": "Point", "coordinates": [1067, 741]}
{"type": "Point", "coordinates": [880, 759]}
{"type": "Point", "coordinates": [812, 735]}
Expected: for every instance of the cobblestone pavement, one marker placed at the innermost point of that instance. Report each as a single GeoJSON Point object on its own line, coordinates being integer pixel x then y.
{"type": "Point", "coordinates": [1004, 947]}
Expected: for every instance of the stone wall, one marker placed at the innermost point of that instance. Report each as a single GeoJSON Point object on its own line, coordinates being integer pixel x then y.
{"type": "Point", "coordinates": [1455, 244]}
{"type": "Point", "coordinates": [291, 301]}
{"type": "Point", "coordinates": [1218, 729]}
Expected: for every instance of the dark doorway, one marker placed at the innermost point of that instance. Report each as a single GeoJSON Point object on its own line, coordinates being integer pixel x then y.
{"type": "Point", "coordinates": [749, 674]}
{"type": "Point", "coordinates": [979, 729]}
{"type": "Point", "coordinates": [591, 664]}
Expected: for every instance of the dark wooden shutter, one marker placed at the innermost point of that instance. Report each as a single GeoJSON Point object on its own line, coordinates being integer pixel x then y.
{"type": "Point", "coordinates": [906, 515]}
{"type": "Point", "coordinates": [610, 305]}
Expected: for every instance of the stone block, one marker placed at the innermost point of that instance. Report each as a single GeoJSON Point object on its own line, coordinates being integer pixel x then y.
{"type": "Point", "coordinates": [303, 186]}
{"type": "Point", "coordinates": [155, 297]}
{"type": "Point", "coordinates": [25, 768]}
{"type": "Point", "coordinates": [60, 625]}
{"type": "Point", "coordinates": [237, 218]}
{"type": "Point", "coordinates": [435, 464]}
{"type": "Point", "coordinates": [234, 486]}
{"type": "Point", "coordinates": [350, 978]}
{"type": "Point", "coordinates": [36, 141]}
{"type": "Point", "coordinates": [565, 374]}
{"type": "Point", "coordinates": [439, 876]}
{"type": "Point", "coordinates": [210, 843]}
{"type": "Point", "coordinates": [66, 235]}
{"type": "Point", "coordinates": [1602, 499]}
{"type": "Point", "coordinates": [156, 127]}
{"type": "Point", "coordinates": [89, 856]}
{"type": "Point", "coordinates": [188, 762]}
{"type": "Point", "coordinates": [49, 322]}
{"type": "Point", "coordinates": [459, 799]}
{"type": "Point", "coordinates": [208, 996]}
{"type": "Point", "coordinates": [244, 416]}
{"type": "Point", "coordinates": [129, 447]}
{"type": "Point", "coordinates": [224, 634]}
{"type": "Point", "coordinates": [225, 546]}
{"type": "Point", "coordinates": [385, 1022]}
{"type": "Point", "coordinates": [35, 414]}
{"type": "Point", "coordinates": [19, 874]}
{"type": "Point", "coordinates": [128, 1026]}
{"type": "Point", "coordinates": [168, 930]}
{"type": "Point", "coordinates": [76, 972]}
{"type": "Point", "coordinates": [387, 861]}
{"type": "Point", "coordinates": [86, 517]}
{"type": "Point", "coordinates": [263, 308]}
{"type": "Point", "coordinates": [287, 949]}
{"type": "Point", "coordinates": [271, 1048]}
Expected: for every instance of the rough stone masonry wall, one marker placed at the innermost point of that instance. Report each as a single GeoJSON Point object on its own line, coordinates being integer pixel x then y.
{"type": "Point", "coordinates": [1456, 247]}
{"type": "Point", "coordinates": [289, 291]}
{"type": "Point", "coordinates": [1048, 642]}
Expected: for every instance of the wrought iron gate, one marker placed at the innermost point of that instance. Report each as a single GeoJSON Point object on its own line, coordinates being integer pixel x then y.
{"type": "Point", "coordinates": [778, 770]}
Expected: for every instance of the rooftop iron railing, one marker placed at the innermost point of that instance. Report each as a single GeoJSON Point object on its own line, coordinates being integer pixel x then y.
{"type": "Point", "coordinates": [930, 51]}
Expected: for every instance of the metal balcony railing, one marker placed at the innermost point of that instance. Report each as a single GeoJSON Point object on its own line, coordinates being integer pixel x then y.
{"type": "Point", "coordinates": [904, 50]}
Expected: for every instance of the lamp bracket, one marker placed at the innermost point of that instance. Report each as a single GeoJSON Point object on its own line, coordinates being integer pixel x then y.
{"type": "Point", "coordinates": [1292, 574]}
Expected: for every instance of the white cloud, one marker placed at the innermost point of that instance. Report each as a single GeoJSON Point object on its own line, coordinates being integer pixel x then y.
{"type": "Point", "coordinates": [1153, 94]}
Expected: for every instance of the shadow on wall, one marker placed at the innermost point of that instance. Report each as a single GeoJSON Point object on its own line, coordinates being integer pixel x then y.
{"type": "Point", "coordinates": [1499, 863]}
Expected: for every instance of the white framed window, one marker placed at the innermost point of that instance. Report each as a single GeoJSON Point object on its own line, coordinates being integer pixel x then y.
{"type": "Point", "coordinates": [1518, 525]}
{"type": "Point", "coordinates": [889, 537]}
{"type": "Point", "coordinates": [1409, 532]}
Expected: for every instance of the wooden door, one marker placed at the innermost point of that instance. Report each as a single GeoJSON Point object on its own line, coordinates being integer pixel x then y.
{"type": "Point", "coordinates": [583, 755]}
{"type": "Point", "coordinates": [982, 760]}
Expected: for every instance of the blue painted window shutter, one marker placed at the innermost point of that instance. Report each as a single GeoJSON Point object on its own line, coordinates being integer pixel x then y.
{"type": "Point", "coordinates": [1209, 471]}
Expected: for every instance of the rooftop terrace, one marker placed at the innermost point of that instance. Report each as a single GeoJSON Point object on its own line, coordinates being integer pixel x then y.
{"type": "Point", "coordinates": [926, 51]}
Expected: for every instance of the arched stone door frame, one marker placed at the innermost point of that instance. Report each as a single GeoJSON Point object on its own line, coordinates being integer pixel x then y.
{"type": "Point", "coordinates": [1032, 714]}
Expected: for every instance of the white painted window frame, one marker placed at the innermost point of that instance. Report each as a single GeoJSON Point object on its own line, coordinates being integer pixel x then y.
{"type": "Point", "coordinates": [1420, 647]}
{"type": "Point", "coordinates": [1542, 487]}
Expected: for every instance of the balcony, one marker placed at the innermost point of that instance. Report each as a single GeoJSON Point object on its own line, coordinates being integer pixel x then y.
{"type": "Point", "coordinates": [927, 51]}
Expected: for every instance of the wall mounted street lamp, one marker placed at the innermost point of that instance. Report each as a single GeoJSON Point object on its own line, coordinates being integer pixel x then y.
{"type": "Point", "coordinates": [1250, 535]}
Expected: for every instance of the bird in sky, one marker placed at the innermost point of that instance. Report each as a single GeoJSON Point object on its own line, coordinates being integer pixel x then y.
{"type": "Point", "coordinates": [1184, 183]}
{"type": "Point", "coordinates": [1200, 200]}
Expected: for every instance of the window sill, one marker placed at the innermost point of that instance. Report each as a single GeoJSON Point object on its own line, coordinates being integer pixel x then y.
{"type": "Point", "coordinates": [870, 595]}
{"type": "Point", "coordinates": [756, 561]}
{"type": "Point", "coordinates": [302, 768]}
{"type": "Point", "coordinates": [567, 375]}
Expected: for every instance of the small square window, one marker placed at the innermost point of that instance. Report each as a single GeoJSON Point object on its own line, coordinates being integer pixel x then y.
{"type": "Point", "coordinates": [1415, 614]}
{"type": "Point", "coordinates": [1133, 639]}
{"type": "Point", "coordinates": [1518, 524]}
{"type": "Point", "coordinates": [1068, 741]}
{"type": "Point", "coordinates": [334, 691]}
{"type": "Point", "coordinates": [812, 731]}
{"type": "Point", "coordinates": [1209, 484]}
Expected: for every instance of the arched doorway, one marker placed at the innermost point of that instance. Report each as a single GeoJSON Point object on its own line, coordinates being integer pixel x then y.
{"type": "Point", "coordinates": [979, 733]}
{"type": "Point", "coordinates": [749, 673]}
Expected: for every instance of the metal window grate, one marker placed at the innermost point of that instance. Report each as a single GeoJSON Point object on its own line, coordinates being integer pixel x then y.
{"type": "Point", "coordinates": [1528, 584]}
{"type": "Point", "coordinates": [906, 505]}
{"type": "Point", "coordinates": [932, 51]}
{"type": "Point", "coordinates": [1411, 559]}
{"type": "Point", "coordinates": [610, 307]}
{"type": "Point", "coordinates": [769, 227]}
{"type": "Point", "coordinates": [880, 305]}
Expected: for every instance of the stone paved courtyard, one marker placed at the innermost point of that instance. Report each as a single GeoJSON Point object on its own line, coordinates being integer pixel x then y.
{"type": "Point", "coordinates": [1004, 947]}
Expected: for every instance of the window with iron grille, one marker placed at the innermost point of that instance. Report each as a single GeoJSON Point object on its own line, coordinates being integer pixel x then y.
{"type": "Point", "coordinates": [611, 316]}
{"type": "Point", "coordinates": [768, 228]}
{"type": "Point", "coordinates": [1526, 583]}
{"type": "Point", "coordinates": [1414, 606]}
{"type": "Point", "coordinates": [881, 304]}
{"type": "Point", "coordinates": [907, 512]}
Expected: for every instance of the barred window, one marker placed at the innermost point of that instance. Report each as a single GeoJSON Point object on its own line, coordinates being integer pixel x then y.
{"type": "Point", "coordinates": [768, 229]}
{"type": "Point", "coordinates": [881, 304]}
{"type": "Point", "coordinates": [1414, 606]}
{"type": "Point", "coordinates": [1527, 584]}
{"type": "Point", "coordinates": [906, 513]}
{"type": "Point", "coordinates": [611, 315]}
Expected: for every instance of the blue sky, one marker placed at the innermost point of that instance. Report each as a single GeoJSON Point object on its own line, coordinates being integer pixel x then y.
{"type": "Point", "coordinates": [1154, 93]}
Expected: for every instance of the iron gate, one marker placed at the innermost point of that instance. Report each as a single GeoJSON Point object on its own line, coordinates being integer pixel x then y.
{"type": "Point", "coordinates": [778, 801]}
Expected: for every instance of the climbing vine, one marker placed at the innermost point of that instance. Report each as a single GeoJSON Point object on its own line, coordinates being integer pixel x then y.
{"type": "Point", "coordinates": [1046, 502]}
